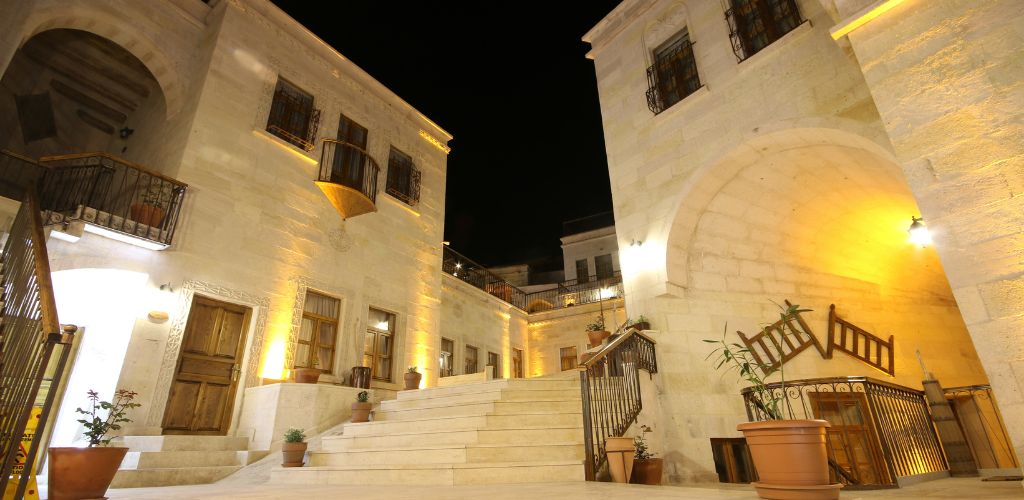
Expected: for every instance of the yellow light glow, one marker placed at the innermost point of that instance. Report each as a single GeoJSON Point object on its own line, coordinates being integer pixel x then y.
{"type": "Point", "coordinates": [433, 140]}
{"type": "Point", "coordinates": [607, 293]}
{"type": "Point", "coordinates": [273, 361]}
{"type": "Point", "coordinates": [277, 142]}
{"type": "Point", "coordinates": [919, 234]}
{"type": "Point", "coordinates": [382, 325]}
{"type": "Point", "coordinates": [863, 17]}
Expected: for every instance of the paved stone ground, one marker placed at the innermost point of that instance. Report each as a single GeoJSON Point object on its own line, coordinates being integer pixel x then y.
{"type": "Point", "coordinates": [944, 488]}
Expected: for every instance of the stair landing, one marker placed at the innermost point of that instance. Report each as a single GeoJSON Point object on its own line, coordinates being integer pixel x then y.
{"type": "Point", "coordinates": [180, 460]}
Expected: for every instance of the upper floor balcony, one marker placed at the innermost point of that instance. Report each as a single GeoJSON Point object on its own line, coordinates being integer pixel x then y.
{"type": "Point", "coordinates": [348, 177]}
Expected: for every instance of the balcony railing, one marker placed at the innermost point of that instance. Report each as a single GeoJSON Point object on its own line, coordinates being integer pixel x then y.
{"type": "Point", "coordinates": [459, 266]}
{"type": "Point", "coordinates": [113, 194]}
{"type": "Point", "coordinates": [879, 431]}
{"type": "Point", "coordinates": [348, 177]}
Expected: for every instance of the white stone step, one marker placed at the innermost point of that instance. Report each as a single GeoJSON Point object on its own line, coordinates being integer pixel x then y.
{"type": "Point", "coordinates": [138, 478]}
{"type": "Point", "coordinates": [183, 443]}
{"type": "Point", "coordinates": [452, 454]}
{"type": "Point", "coordinates": [517, 384]}
{"type": "Point", "coordinates": [451, 423]}
{"type": "Point", "coordinates": [469, 409]}
{"type": "Point", "coordinates": [433, 474]}
{"type": "Point", "coordinates": [464, 437]}
{"type": "Point", "coordinates": [172, 459]}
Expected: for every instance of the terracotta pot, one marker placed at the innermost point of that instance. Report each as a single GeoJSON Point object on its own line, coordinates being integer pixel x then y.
{"type": "Point", "coordinates": [361, 411]}
{"type": "Point", "coordinates": [620, 451]}
{"type": "Point", "coordinates": [151, 215]}
{"type": "Point", "coordinates": [597, 337]}
{"type": "Point", "coordinates": [78, 473]}
{"type": "Point", "coordinates": [647, 471]}
{"type": "Point", "coordinates": [293, 454]}
{"type": "Point", "coordinates": [412, 380]}
{"type": "Point", "coordinates": [643, 325]}
{"type": "Point", "coordinates": [791, 459]}
{"type": "Point", "coordinates": [307, 375]}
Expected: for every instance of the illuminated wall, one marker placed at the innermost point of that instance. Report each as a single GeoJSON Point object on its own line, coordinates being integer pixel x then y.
{"type": "Point", "coordinates": [470, 316]}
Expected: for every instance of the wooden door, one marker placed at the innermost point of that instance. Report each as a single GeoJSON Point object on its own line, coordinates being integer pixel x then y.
{"type": "Point", "coordinates": [852, 437]}
{"type": "Point", "coordinates": [348, 163]}
{"type": "Point", "coordinates": [203, 392]}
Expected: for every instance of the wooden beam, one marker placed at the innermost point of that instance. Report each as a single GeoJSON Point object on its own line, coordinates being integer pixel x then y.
{"type": "Point", "coordinates": [94, 122]}
{"type": "Point", "coordinates": [47, 49]}
{"type": "Point", "coordinates": [73, 94]}
{"type": "Point", "coordinates": [64, 68]}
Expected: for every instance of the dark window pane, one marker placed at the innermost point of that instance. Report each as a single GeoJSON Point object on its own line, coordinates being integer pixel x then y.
{"type": "Point", "coordinates": [292, 116]}
{"type": "Point", "coordinates": [674, 74]}
{"type": "Point", "coordinates": [755, 24]}
{"type": "Point", "coordinates": [403, 178]}
{"type": "Point", "coordinates": [604, 266]}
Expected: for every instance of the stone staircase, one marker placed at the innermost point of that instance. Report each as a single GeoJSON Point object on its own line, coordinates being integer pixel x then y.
{"type": "Point", "coordinates": [175, 460]}
{"type": "Point", "coordinates": [499, 431]}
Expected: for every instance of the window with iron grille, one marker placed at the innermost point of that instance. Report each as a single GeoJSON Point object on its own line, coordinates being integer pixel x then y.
{"type": "Point", "coordinates": [755, 24]}
{"type": "Point", "coordinates": [292, 116]}
{"type": "Point", "coordinates": [673, 76]}
{"type": "Point", "coordinates": [403, 178]}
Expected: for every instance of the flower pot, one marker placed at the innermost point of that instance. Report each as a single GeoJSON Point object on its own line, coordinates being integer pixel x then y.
{"type": "Point", "coordinates": [77, 473]}
{"type": "Point", "coordinates": [620, 452]}
{"type": "Point", "coordinates": [307, 375]}
{"type": "Point", "coordinates": [647, 471]}
{"type": "Point", "coordinates": [642, 325]}
{"type": "Point", "coordinates": [597, 337]}
{"type": "Point", "coordinates": [412, 380]}
{"type": "Point", "coordinates": [361, 411]}
{"type": "Point", "coordinates": [293, 454]}
{"type": "Point", "coordinates": [144, 213]}
{"type": "Point", "coordinates": [791, 458]}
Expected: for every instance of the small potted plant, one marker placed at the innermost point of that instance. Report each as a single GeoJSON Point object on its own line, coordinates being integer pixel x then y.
{"type": "Point", "coordinates": [293, 449]}
{"type": "Point", "coordinates": [596, 332]}
{"type": "Point", "coordinates": [790, 456]}
{"type": "Point", "coordinates": [150, 210]}
{"type": "Point", "coordinates": [646, 468]}
{"type": "Point", "coordinates": [642, 323]}
{"type": "Point", "coordinates": [361, 408]}
{"type": "Point", "coordinates": [309, 375]}
{"type": "Point", "coordinates": [86, 472]}
{"type": "Point", "coordinates": [412, 378]}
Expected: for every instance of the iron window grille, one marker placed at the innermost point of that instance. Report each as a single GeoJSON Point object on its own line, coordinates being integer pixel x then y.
{"type": "Point", "coordinates": [673, 76]}
{"type": "Point", "coordinates": [292, 116]}
{"type": "Point", "coordinates": [756, 24]}
{"type": "Point", "coordinates": [403, 178]}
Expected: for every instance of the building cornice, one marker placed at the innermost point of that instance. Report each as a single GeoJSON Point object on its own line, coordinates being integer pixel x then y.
{"type": "Point", "coordinates": [608, 28]}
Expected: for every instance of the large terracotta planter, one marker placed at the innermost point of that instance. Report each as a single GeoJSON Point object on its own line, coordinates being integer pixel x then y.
{"type": "Point", "coordinates": [150, 215]}
{"type": "Point", "coordinates": [597, 337]}
{"type": "Point", "coordinates": [78, 473]}
{"type": "Point", "coordinates": [791, 459]}
{"type": "Point", "coordinates": [293, 454]}
{"type": "Point", "coordinates": [647, 471]}
{"type": "Point", "coordinates": [307, 375]}
{"type": "Point", "coordinates": [361, 411]}
{"type": "Point", "coordinates": [620, 451]}
{"type": "Point", "coordinates": [412, 380]}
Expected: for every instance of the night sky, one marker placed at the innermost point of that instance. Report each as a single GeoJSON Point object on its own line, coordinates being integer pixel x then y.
{"type": "Point", "coordinates": [510, 81]}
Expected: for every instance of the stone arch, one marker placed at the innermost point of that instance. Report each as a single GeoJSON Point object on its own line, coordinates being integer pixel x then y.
{"type": "Point", "coordinates": [118, 30]}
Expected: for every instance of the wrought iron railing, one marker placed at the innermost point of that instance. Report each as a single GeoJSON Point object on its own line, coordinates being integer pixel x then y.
{"type": "Point", "coordinates": [879, 431]}
{"type": "Point", "coordinates": [672, 77]}
{"type": "Point", "coordinates": [17, 174]}
{"type": "Point", "coordinates": [573, 293]}
{"type": "Point", "coordinates": [403, 180]}
{"type": "Point", "coordinates": [29, 336]}
{"type": "Point", "coordinates": [982, 423]}
{"type": "Point", "coordinates": [755, 24]}
{"type": "Point", "coordinates": [292, 116]}
{"type": "Point", "coordinates": [610, 386]}
{"type": "Point", "coordinates": [106, 191]}
{"type": "Point", "coordinates": [349, 165]}
{"type": "Point", "coordinates": [459, 266]}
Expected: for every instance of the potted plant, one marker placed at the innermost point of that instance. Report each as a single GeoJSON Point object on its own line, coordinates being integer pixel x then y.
{"type": "Point", "coordinates": [293, 449]}
{"type": "Point", "coordinates": [646, 468]}
{"type": "Point", "coordinates": [150, 210]}
{"type": "Point", "coordinates": [412, 378]}
{"type": "Point", "coordinates": [77, 473]}
{"type": "Point", "coordinates": [620, 452]}
{"type": "Point", "coordinates": [790, 456]}
{"type": "Point", "coordinates": [596, 332]}
{"type": "Point", "coordinates": [361, 408]}
{"type": "Point", "coordinates": [309, 375]}
{"type": "Point", "coordinates": [642, 323]}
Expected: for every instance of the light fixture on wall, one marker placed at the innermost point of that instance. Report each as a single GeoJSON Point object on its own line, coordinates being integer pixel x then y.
{"type": "Point", "coordinates": [636, 243]}
{"type": "Point", "coordinates": [918, 232]}
{"type": "Point", "coordinates": [167, 287]}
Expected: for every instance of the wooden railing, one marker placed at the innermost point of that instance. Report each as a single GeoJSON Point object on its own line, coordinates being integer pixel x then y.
{"type": "Point", "coordinates": [610, 386]}
{"type": "Point", "coordinates": [779, 342]}
{"type": "Point", "coordinates": [17, 174]}
{"type": "Point", "coordinates": [860, 343]}
{"type": "Point", "coordinates": [29, 336]}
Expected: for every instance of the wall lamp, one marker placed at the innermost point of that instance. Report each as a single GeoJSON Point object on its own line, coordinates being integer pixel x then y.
{"type": "Point", "coordinates": [918, 232]}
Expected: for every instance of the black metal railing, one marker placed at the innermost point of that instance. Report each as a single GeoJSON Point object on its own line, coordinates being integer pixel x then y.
{"type": "Point", "coordinates": [879, 431]}
{"type": "Point", "coordinates": [29, 338]}
{"type": "Point", "coordinates": [292, 116]}
{"type": "Point", "coordinates": [349, 165]}
{"type": "Point", "coordinates": [459, 266]}
{"type": "Point", "coordinates": [982, 424]}
{"type": "Point", "coordinates": [672, 77]}
{"type": "Point", "coordinates": [17, 174]}
{"type": "Point", "coordinates": [112, 193]}
{"type": "Point", "coordinates": [403, 180]}
{"type": "Point", "coordinates": [574, 292]}
{"type": "Point", "coordinates": [610, 386]}
{"type": "Point", "coordinates": [755, 24]}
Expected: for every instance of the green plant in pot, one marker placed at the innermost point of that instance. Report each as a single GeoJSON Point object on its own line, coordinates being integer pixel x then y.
{"type": "Point", "coordinates": [293, 449]}
{"type": "Point", "coordinates": [790, 455]}
{"type": "Point", "coordinates": [76, 473]}
{"type": "Point", "coordinates": [412, 378]}
{"type": "Point", "coordinates": [362, 407]}
{"type": "Point", "coordinates": [150, 210]}
{"type": "Point", "coordinates": [646, 467]}
{"type": "Point", "coordinates": [310, 374]}
{"type": "Point", "coordinates": [642, 323]}
{"type": "Point", "coordinates": [596, 332]}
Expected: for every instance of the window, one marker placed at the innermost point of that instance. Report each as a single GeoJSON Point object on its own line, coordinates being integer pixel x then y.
{"type": "Point", "coordinates": [673, 75]}
{"type": "Point", "coordinates": [318, 333]}
{"type": "Point", "coordinates": [403, 178]}
{"type": "Point", "coordinates": [447, 357]}
{"type": "Point", "coordinates": [379, 344]}
{"type": "Point", "coordinates": [494, 361]}
{"type": "Point", "coordinates": [582, 271]}
{"type": "Point", "coordinates": [755, 24]}
{"type": "Point", "coordinates": [604, 266]}
{"type": "Point", "coordinates": [348, 162]}
{"type": "Point", "coordinates": [517, 363]}
{"type": "Point", "coordinates": [732, 460]}
{"type": "Point", "coordinates": [568, 355]}
{"type": "Point", "coordinates": [471, 357]}
{"type": "Point", "coordinates": [292, 116]}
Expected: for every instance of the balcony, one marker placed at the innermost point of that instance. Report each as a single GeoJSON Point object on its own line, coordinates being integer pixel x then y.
{"type": "Point", "coordinates": [348, 177]}
{"type": "Point", "coordinates": [112, 197]}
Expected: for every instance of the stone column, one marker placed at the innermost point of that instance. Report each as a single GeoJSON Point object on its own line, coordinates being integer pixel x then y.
{"type": "Point", "coordinates": [947, 77]}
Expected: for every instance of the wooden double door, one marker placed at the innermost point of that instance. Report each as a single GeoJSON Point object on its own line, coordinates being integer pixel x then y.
{"type": "Point", "coordinates": [208, 370]}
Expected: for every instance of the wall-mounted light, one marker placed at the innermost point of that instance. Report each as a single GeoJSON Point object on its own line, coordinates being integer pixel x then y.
{"type": "Point", "coordinates": [167, 287]}
{"type": "Point", "coordinates": [918, 232]}
{"type": "Point", "coordinates": [636, 243]}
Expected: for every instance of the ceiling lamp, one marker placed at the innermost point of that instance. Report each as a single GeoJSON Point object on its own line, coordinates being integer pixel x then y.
{"type": "Point", "coordinates": [919, 232]}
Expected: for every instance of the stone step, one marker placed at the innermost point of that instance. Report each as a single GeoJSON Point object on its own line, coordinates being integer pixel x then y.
{"type": "Point", "coordinates": [468, 409]}
{"type": "Point", "coordinates": [539, 435]}
{"type": "Point", "coordinates": [518, 384]}
{"type": "Point", "coordinates": [183, 443]}
{"type": "Point", "coordinates": [139, 478]}
{"type": "Point", "coordinates": [433, 474]}
{"type": "Point", "coordinates": [451, 454]}
{"type": "Point", "coordinates": [491, 394]}
{"type": "Point", "coordinates": [174, 459]}
{"type": "Point", "coordinates": [489, 421]}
